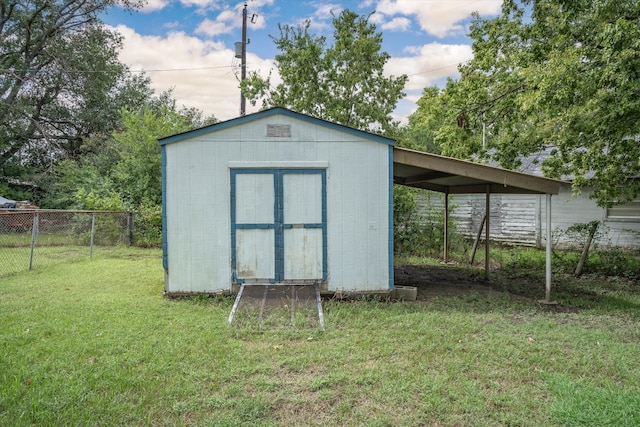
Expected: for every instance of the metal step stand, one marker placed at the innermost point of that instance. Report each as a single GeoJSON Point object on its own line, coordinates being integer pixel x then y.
{"type": "Point", "coordinates": [236, 302]}
{"type": "Point", "coordinates": [319, 303]}
{"type": "Point", "coordinates": [295, 289]}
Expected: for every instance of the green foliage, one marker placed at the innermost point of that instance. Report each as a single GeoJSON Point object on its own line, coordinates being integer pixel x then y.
{"type": "Point", "coordinates": [69, 182]}
{"type": "Point", "coordinates": [122, 170]}
{"type": "Point", "coordinates": [603, 261]}
{"type": "Point", "coordinates": [108, 201]}
{"type": "Point", "coordinates": [18, 192]}
{"type": "Point", "coordinates": [148, 225]}
{"type": "Point", "coordinates": [80, 185]}
{"type": "Point", "coordinates": [107, 228]}
{"type": "Point", "coordinates": [4, 190]}
{"type": "Point", "coordinates": [418, 231]}
{"type": "Point", "coordinates": [137, 173]}
{"type": "Point", "coordinates": [615, 262]}
{"type": "Point", "coordinates": [555, 76]}
{"type": "Point", "coordinates": [578, 233]}
{"type": "Point", "coordinates": [343, 83]}
{"type": "Point", "coordinates": [422, 132]}
{"type": "Point", "coordinates": [404, 222]}
{"type": "Point", "coordinates": [61, 81]}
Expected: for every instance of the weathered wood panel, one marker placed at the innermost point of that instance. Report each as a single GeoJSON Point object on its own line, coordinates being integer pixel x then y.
{"type": "Point", "coordinates": [255, 255]}
{"type": "Point", "coordinates": [303, 254]}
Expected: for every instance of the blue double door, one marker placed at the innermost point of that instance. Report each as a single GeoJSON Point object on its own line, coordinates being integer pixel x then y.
{"type": "Point", "coordinates": [278, 225]}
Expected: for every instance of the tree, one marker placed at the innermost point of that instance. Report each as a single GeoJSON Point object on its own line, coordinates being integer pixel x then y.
{"type": "Point", "coordinates": [556, 75]}
{"type": "Point", "coordinates": [137, 174]}
{"type": "Point", "coordinates": [60, 80]}
{"type": "Point", "coordinates": [422, 131]}
{"type": "Point", "coordinates": [343, 83]}
{"type": "Point", "coordinates": [124, 165]}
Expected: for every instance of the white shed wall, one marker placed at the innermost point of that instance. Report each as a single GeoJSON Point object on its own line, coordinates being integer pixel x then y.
{"type": "Point", "coordinates": [197, 201]}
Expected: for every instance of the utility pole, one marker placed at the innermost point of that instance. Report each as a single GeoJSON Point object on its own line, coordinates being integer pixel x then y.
{"type": "Point", "coordinates": [243, 59]}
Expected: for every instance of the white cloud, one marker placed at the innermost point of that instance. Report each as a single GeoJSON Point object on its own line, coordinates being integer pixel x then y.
{"type": "Point", "coordinates": [226, 22]}
{"type": "Point", "coordinates": [324, 11]}
{"type": "Point", "coordinates": [153, 5]}
{"type": "Point", "coordinates": [377, 18]}
{"type": "Point", "coordinates": [439, 17]}
{"type": "Point", "coordinates": [201, 73]}
{"type": "Point", "coordinates": [212, 28]}
{"type": "Point", "coordinates": [201, 4]}
{"type": "Point", "coordinates": [366, 3]}
{"type": "Point", "coordinates": [171, 25]}
{"type": "Point", "coordinates": [319, 19]}
{"type": "Point", "coordinates": [430, 63]}
{"type": "Point", "coordinates": [256, 4]}
{"type": "Point", "coordinates": [397, 24]}
{"type": "Point", "coordinates": [414, 50]}
{"type": "Point", "coordinates": [229, 20]}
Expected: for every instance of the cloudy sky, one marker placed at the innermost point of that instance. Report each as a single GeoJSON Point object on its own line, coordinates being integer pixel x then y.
{"type": "Point", "coordinates": [188, 45]}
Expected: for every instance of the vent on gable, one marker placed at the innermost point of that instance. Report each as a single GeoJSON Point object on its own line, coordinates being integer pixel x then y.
{"type": "Point", "coordinates": [279, 131]}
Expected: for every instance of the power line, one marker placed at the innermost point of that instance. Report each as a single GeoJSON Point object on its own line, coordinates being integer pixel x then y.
{"type": "Point", "coordinates": [181, 69]}
{"type": "Point", "coordinates": [436, 69]}
{"type": "Point", "coordinates": [154, 70]}
{"type": "Point", "coordinates": [168, 70]}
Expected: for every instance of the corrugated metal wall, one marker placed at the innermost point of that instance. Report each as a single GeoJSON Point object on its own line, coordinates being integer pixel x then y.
{"type": "Point", "coordinates": [514, 219]}
{"type": "Point", "coordinates": [520, 219]}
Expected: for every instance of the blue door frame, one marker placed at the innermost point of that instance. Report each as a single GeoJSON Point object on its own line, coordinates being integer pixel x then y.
{"type": "Point", "coordinates": [278, 224]}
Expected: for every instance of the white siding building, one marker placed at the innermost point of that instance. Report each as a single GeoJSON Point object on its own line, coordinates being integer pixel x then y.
{"type": "Point", "coordinates": [277, 197]}
{"type": "Point", "coordinates": [519, 218]}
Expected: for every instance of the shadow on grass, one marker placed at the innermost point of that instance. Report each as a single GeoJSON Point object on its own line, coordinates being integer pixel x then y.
{"type": "Point", "coordinates": [460, 284]}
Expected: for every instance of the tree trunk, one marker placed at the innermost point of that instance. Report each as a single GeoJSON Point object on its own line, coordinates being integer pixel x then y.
{"type": "Point", "coordinates": [585, 250]}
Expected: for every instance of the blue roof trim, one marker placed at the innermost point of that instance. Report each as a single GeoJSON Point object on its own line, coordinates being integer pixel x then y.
{"type": "Point", "coordinates": [165, 245]}
{"type": "Point", "coordinates": [390, 246]}
{"type": "Point", "coordinates": [271, 112]}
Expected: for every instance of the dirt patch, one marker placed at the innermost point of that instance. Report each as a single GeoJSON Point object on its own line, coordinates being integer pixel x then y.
{"type": "Point", "coordinates": [450, 280]}
{"type": "Point", "coordinates": [435, 281]}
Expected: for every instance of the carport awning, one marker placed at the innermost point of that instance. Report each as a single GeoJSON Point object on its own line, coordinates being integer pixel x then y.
{"type": "Point", "coordinates": [453, 176]}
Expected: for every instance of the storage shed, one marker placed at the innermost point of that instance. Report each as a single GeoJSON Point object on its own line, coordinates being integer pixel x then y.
{"type": "Point", "coordinates": [277, 197]}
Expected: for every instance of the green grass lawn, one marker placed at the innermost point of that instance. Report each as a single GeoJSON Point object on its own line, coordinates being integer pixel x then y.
{"type": "Point", "coordinates": [94, 342]}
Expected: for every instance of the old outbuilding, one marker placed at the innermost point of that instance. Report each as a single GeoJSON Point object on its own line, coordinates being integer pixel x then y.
{"type": "Point", "coordinates": [277, 197]}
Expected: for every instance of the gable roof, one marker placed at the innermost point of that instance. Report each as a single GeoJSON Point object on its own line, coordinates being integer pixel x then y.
{"type": "Point", "coordinates": [268, 113]}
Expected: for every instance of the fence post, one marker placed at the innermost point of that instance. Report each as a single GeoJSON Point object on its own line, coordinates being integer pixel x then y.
{"type": "Point", "coordinates": [130, 222]}
{"type": "Point", "coordinates": [34, 236]}
{"type": "Point", "coordinates": [93, 229]}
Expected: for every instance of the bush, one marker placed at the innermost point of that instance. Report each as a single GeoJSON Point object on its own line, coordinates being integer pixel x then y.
{"type": "Point", "coordinates": [419, 231]}
{"type": "Point", "coordinates": [148, 226]}
{"type": "Point", "coordinates": [615, 262]}
{"type": "Point", "coordinates": [602, 260]}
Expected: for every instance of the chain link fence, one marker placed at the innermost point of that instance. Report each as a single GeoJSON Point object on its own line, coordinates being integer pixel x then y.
{"type": "Point", "coordinates": [35, 238]}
